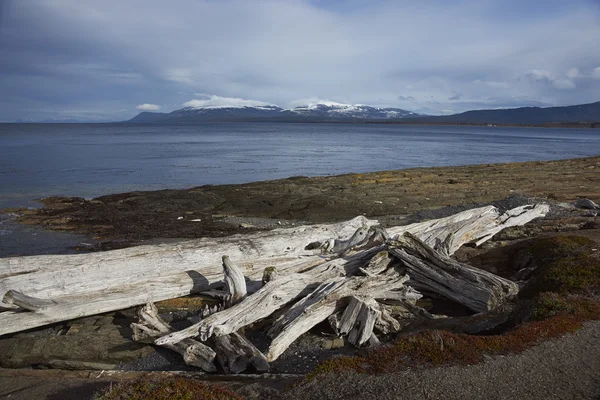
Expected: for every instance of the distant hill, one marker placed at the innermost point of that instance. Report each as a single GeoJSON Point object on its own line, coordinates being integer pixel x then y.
{"type": "Point", "coordinates": [584, 113]}
{"type": "Point", "coordinates": [336, 112]}
{"type": "Point", "coordinates": [318, 112]}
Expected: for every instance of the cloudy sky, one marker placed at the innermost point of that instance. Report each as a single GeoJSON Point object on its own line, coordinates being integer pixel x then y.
{"type": "Point", "coordinates": [109, 59]}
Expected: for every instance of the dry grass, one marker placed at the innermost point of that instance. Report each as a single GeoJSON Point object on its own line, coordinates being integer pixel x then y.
{"type": "Point", "coordinates": [169, 388]}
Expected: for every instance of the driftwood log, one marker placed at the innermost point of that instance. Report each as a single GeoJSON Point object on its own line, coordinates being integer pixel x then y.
{"type": "Point", "coordinates": [479, 290]}
{"type": "Point", "coordinates": [73, 286]}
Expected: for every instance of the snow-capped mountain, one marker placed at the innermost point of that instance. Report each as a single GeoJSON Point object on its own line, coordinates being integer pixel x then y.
{"type": "Point", "coordinates": [356, 111]}
{"type": "Point", "coordinates": [198, 111]}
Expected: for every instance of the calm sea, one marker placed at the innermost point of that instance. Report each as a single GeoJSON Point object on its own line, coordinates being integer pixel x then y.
{"type": "Point", "coordinates": [38, 160]}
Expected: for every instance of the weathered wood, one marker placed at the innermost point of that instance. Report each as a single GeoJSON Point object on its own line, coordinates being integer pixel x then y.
{"type": "Point", "coordinates": [477, 225]}
{"type": "Point", "coordinates": [385, 322]}
{"type": "Point", "coordinates": [235, 283]}
{"type": "Point", "coordinates": [271, 297]}
{"type": "Point", "coordinates": [339, 246]}
{"type": "Point", "coordinates": [151, 326]}
{"type": "Point", "coordinates": [235, 354]}
{"type": "Point", "coordinates": [87, 284]}
{"type": "Point", "coordinates": [13, 297]}
{"type": "Point", "coordinates": [378, 264]}
{"type": "Point", "coordinates": [358, 320]}
{"type": "Point", "coordinates": [330, 297]}
{"type": "Point", "coordinates": [431, 271]}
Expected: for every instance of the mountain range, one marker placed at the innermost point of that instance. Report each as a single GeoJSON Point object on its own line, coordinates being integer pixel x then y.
{"type": "Point", "coordinates": [336, 112]}
{"type": "Point", "coordinates": [317, 112]}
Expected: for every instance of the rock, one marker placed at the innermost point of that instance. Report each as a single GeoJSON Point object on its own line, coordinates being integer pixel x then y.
{"type": "Point", "coordinates": [586, 204]}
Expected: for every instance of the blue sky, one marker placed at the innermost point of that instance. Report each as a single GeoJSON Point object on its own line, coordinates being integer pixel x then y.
{"type": "Point", "coordinates": [107, 60]}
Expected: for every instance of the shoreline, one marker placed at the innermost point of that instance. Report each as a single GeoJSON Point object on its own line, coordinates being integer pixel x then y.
{"type": "Point", "coordinates": [394, 197]}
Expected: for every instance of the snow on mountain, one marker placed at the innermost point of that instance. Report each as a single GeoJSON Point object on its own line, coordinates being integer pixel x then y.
{"type": "Point", "coordinates": [353, 111]}
{"type": "Point", "coordinates": [217, 108]}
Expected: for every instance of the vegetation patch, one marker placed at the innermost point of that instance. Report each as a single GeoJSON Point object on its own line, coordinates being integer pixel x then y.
{"type": "Point", "coordinates": [565, 264]}
{"type": "Point", "coordinates": [171, 388]}
{"type": "Point", "coordinates": [562, 294]}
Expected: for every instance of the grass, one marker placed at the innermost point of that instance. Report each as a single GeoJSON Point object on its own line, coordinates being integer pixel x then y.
{"type": "Point", "coordinates": [561, 296]}
{"type": "Point", "coordinates": [167, 388]}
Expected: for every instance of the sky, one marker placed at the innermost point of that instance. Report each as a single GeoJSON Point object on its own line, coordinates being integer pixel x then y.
{"type": "Point", "coordinates": [108, 60]}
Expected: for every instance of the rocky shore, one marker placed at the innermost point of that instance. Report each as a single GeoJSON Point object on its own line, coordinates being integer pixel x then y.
{"type": "Point", "coordinates": [392, 197]}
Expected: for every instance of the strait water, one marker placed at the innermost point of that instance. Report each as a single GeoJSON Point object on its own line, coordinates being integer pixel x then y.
{"type": "Point", "coordinates": [38, 160]}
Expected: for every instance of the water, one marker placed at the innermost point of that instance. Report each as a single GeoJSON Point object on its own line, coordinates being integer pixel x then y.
{"type": "Point", "coordinates": [38, 160]}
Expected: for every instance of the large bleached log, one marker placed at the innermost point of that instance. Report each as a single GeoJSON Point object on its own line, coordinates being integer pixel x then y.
{"type": "Point", "coordinates": [432, 271]}
{"type": "Point", "coordinates": [151, 325]}
{"type": "Point", "coordinates": [87, 284]}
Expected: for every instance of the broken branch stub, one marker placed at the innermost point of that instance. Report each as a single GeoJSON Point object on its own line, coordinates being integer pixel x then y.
{"type": "Point", "coordinates": [359, 319]}
{"type": "Point", "coordinates": [235, 283]}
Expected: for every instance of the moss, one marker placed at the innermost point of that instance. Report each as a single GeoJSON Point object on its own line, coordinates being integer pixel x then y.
{"type": "Point", "coordinates": [172, 388]}
{"type": "Point", "coordinates": [565, 264]}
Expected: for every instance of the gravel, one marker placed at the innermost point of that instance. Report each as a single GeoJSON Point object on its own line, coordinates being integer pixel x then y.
{"type": "Point", "coordinates": [567, 368]}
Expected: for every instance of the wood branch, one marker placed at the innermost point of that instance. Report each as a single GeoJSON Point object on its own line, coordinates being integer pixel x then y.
{"type": "Point", "coordinates": [235, 354]}
{"type": "Point", "coordinates": [151, 326]}
{"type": "Point", "coordinates": [328, 298]}
{"type": "Point", "coordinates": [479, 290]}
{"type": "Point", "coordinates": [269, 298]}
{"type": "Point", "coordinates": [446, 235]}
{"type": "Point", "coordinates": [235, 283]}
{"type": "Point", "coordinates": [13, 297]}
{"type": "Point", "coordinates": [359, 319]}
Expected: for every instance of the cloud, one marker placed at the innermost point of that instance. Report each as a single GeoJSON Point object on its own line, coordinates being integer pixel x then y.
{"type": "Point", "coordinates": [563, 83]}
{"type": "Point", "coordinates": [219, 102]}
{"type": "Point", "coordinates": [456, 96]}
{"type": "Point", "coordinates": [557, 81]}
{"type": "Point", "coordinates": [492, 84]}
{"type": "Point", "coordinates": [179, 75]}
{"type": "Point", "coordinates": [148, 107]}
{"type": "Point", "coordinates": [573, 73]}
{"type": "Point", "coordinates": [60, 54]}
